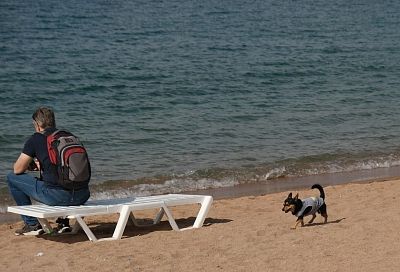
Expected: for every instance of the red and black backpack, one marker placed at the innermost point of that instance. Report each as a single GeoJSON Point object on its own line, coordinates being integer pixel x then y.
{"type": "Point", "coordinates": [70, 159]}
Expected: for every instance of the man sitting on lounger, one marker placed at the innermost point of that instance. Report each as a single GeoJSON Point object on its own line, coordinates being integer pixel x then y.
{"type": "Point", "coordinates": [25, 187]}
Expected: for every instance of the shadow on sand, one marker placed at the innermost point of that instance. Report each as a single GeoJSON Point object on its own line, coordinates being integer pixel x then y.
{"type": "Point", "coordinates": [104, 230]}
{"type": "Point", "coordinates": [321, 224]}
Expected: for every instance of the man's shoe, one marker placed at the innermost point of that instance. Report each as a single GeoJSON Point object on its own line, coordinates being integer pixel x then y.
{"type": "Point", "coordinates": [63, 225]}
{"type": "Point", "coordinates": [64, 229]}
{"type": "Point", "coordinates": [30, 230]}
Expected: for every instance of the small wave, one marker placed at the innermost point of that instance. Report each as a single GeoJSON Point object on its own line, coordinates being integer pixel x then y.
{"type": "Point", "coordinates": [169, 186]}
{"type": "Point", "coordinates": [275, 173]}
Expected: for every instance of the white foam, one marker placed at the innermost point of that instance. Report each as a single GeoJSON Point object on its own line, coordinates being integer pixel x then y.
{"type": "Point", "coordinates": [169, 186]}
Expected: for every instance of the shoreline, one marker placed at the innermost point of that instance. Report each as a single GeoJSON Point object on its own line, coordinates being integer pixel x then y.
{"type": "Point", "coordinates": [278, 185]}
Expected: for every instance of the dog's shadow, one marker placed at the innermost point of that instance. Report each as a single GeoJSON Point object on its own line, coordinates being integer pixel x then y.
{"type": "Point", "coordinates": [321, 224]}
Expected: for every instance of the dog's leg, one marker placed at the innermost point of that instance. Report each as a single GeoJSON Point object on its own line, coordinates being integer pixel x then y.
{"type": "Point", "coordinates": [299, 221]}
{"type": "Point", "coordinates": [325, 215]}
{"type": "Point", "coordinates": [312, 219]}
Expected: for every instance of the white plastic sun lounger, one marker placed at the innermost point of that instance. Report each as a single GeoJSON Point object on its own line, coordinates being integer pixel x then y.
{"type": "Point", "coordinates": [125, 207]}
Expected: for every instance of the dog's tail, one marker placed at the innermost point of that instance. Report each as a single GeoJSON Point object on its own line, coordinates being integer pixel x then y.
{"type": "Point", "coordinates": [320, 189]}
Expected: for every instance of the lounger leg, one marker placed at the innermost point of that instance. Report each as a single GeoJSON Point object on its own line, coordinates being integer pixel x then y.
{"type": "Point", "coordinates": [123, 219]}
{"type": "Point", "coordinates": [132, 218]}
{"type": "Point", "coordinates": [170, 218]}
{"type": "Point", "coordinates": [201, 216]}
{"type": "Point", "coordinates": [76, 227]}
{"type": "Point", "coordinates": [134, 221]}
{"type": "Point", "coordinates": [45, 225]}
{"type": "Point", "coordinates": [156, 220]}
{"type": "Point", "coordinates": [159, 216]}
{"type": "Point", "coordinates": [86, 229]}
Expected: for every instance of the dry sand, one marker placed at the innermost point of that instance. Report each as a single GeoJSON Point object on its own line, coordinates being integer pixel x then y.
{"type": "Point", "coordinates": [240, 234]}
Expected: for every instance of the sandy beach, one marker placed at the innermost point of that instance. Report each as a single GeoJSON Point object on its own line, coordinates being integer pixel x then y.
{"type": "Point", "coordinates": [240, 234]}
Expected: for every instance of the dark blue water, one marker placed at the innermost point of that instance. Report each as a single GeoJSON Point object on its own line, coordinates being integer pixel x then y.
{"type": "Point", "coordinates": [182, 95]}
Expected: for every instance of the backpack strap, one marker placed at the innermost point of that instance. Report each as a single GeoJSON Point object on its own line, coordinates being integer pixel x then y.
{"type": "Point", "coordinates": [45, 133]}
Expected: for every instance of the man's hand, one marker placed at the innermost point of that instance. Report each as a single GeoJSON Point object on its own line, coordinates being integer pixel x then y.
{"type": "Point", "coordinates": [33, 166]}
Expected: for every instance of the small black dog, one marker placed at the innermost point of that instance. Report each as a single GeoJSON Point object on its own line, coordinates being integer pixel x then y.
{"type": "Point", "coordinates": [308, 206]}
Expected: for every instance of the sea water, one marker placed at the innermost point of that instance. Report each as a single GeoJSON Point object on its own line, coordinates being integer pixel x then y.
{"type": "Point", "coordinates": [171, 96]}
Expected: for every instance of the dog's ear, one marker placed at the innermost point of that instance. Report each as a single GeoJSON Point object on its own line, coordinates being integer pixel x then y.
{"type": "Point", "coordinates": [296, 197]}
{"type": "Point", "coordinates": [290, 195]}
